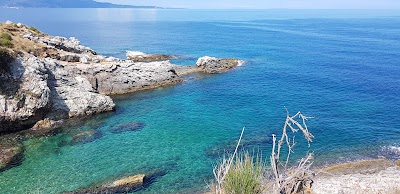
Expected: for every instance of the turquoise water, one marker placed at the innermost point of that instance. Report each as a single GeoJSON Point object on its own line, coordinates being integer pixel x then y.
{"type": "Point", "coordinates": [341, 66]}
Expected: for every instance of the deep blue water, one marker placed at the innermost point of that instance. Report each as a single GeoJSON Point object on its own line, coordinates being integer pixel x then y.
{"type": "Point", "coordinates": [342, 66]}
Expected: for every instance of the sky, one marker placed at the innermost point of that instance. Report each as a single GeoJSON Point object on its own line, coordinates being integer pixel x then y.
{"type": "Point", "coordinates": [266, 4]}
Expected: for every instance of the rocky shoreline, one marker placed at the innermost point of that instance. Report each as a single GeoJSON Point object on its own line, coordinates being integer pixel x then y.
{"type": "Point", "coordinates": [366, 177]}
{"type": "Point", "coordinates": [47, 79]}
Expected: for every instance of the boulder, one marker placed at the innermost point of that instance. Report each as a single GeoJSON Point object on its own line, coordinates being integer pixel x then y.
{"type": "Point", "coordinates": [86, 137]}
{"type": "Point", "coordinates": [215, 65]}
{"type": "Point", "coordinates": [132, 126]}
{"type": "Point", "coordinates": [85, 59]}
{"type": "Point", "coordinates": [43, 128]}
{"type": "Point", "coordinates": [11, 154]}
{"type": "Point", "coordinates": [46, 124]}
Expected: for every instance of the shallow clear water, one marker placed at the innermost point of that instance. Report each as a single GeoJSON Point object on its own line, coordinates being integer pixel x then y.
{"type": "Point", "coordinates": [341, 66]}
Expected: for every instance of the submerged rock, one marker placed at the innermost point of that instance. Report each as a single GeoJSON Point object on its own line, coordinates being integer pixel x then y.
{"type": "Point", "coordinates": [11, 154]}
{"type": "Point", "coordinates": [132, 126]}
{"type": "Point", "coordinates": [86, 137]}
{"type": "Point", "coordinates": [215, 65]}
{"type": "Point", "coordinates": [123, 185]}
{"type": "Point", "coordinates": [126, 184]}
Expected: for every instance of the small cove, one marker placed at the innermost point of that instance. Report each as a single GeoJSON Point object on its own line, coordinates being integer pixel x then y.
{"type": "Point", "coordinates": [343, 71]}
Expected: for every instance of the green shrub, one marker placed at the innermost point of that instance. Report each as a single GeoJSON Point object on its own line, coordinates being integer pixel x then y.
{"type": "Point", "coordinates": [246, 174]}
{"type": "Point", "coordinates": [35, 30]}
{"type": "Point", "coordinates": [5, 36]}
{"type": "Point", "coordinates": [6, 43]}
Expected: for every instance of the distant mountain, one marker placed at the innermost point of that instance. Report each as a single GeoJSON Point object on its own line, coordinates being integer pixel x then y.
{"type": "Point", "coordinates": [64, 4]}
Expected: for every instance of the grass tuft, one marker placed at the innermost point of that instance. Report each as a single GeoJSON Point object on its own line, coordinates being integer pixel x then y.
{"type": "Point", "coordinates": [245, 175]}
{"type": "Point", "coordinates": [6, 43]}
{"type": "Point", "coordinates": [35, 30]}
{"type": "Point", "coordinates": [5, 36]}
{"type": "Point", "coordinates": [5, 40]}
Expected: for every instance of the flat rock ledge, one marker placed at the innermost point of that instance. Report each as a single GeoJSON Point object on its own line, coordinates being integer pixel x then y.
{"type": "Point", "coordinates": [57, 78]}
{"type": "Point", "coordinates": [366, 177]}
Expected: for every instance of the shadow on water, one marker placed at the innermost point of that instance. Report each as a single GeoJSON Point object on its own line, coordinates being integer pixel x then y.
{"type": "Point", "coordinates": [252, 144]}
{"type": "Point", "coordinates": [125, 127]}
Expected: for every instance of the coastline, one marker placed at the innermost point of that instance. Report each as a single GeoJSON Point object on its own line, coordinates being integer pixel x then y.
{"type": "Point", "coordinates": [48, 79]}
{"type": "Point", "coordinates": [172, 83]}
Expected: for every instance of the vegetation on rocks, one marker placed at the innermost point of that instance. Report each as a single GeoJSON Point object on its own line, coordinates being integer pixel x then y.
{"type": "Point", "coordinates": [5, 40]}
{"type": "Point", "coordinates": [246, 175]}
{"type": "Point", "coordinates": [35, 30]}
{"type": "Point", "coordinates": [243, 173]}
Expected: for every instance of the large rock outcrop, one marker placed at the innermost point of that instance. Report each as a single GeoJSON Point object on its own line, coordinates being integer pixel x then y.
{"type": "Point", "coordinates": [34, 89]}
{"type": "Point", "coordinates": [72, 94]}
{"type": "Point", "coordinates": [57, 78]}
{"type": "Point", "coordinates": [126, 76]}
{"type": "Point", "coordinates": [138, 56]}
{"type": "Point", "coordinates": [24, 94]}
{"type": "Point", "coordinates": [215, 65]}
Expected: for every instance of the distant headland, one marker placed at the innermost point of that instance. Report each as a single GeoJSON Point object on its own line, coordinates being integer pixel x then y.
{"type": "Point", "coordinates": [65, 4]}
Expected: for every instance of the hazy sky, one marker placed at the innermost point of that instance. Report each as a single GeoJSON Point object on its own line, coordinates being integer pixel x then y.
{"type": "Point", "coordinates": [265, 4]}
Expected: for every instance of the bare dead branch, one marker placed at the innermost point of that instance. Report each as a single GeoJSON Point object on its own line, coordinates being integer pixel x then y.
{"type": "Point", "coordinates": [290, 181]}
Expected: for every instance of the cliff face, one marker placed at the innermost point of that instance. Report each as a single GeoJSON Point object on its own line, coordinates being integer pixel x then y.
{"type": "Point", "coordinates": [57, 78]}
{"type": "Point", "coordinates": [42, 88]}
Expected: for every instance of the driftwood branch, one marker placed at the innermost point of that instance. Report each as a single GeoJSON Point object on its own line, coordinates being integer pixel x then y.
{"type": "Point", "coordinates": [292, 180]}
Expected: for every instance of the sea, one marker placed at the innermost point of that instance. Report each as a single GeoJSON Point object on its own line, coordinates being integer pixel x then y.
{"type": "Point", "coordinates": [341, 67]}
